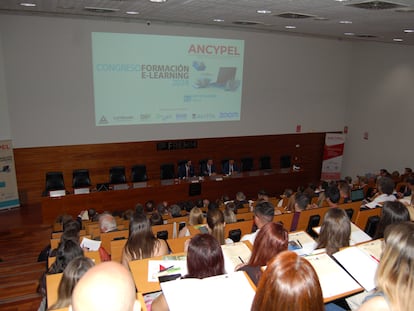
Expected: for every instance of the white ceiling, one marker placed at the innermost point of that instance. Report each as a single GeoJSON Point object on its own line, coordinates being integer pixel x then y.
{"type": "Point", "coordinates": [328, 17]}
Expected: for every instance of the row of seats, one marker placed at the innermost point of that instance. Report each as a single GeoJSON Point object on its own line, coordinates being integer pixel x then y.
{"type": "Point", "coordinates": [117, 174]}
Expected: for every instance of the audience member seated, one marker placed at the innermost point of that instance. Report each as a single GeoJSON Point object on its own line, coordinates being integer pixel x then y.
{"type": "Point", "coordinates": [395, 274]}
{"type": "Point", "coordinates": [263, 213]}
{"type": "Point", "coordinates": [229, 215]}
{"type": "Point", "coordinates": [208, 168]}
{"type": "Point", "coordinates": [186, 170]}
{"type": "Point", "coordinates": [335, 231]}
{"type": "Point", "coordinates": [262, 195]}
{"type": "Point", "coordinates": [71, 275]}
{"type": "Point", "coordinates": [156, 219]}
{"type": "Point", "coordinates": [105, 287]}
{"type": "Point", "coordinates": [230, 167]}
{"type": "Point", "coordinates": [66, 252]}
{"type": "Point", "coordinates": [392, 212]}
{"type": "Point", "coordinates": [332, 196]}
{"type": "Point", "coordinates": [345, 191]}
{"type": "Point", "coordinates": [215, 223]}
{"type": "Point", "coordinates": [175, 210]}
{"type": "Point", "coordinates": [141, 241]}
{"type": "Point", "coordinates": [270, 241]}
{"type": "Point", "coordinates": [195, 218]}
{"type": "Point", "coordinates": [385, 187]}
{"type": "Point", "coordinates": [107, 223]}
{"type": "Point", "coordinates": [204, 259]}
{"type": "Point", "coordinates": [301, 203]}
{"type": "Point", "coordinates": [149, 206]}
{"type": "Point", "coordinates": [284, 198]}
{"type": "Point", "coordinates": [288, 283]}
{"type": "Point", "coordinates": [240, 198]}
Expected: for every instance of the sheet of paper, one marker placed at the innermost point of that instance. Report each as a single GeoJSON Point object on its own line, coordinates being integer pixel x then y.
{"type": "Point", "coordinates": [333, 279]}
{"type": "Point", "coordinates": [373, 248]}
{"type": "Point", "coordinates": [91, 245]}
{"type": "Point", "coordinates": [231, 292]}
{"type": "Point", "coordinates": [235, 254]}
{"type": "Point", "coordinates": [359, 264]}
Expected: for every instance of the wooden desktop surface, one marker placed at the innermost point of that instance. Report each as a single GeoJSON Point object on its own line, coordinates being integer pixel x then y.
{"type": "Point", "coordinates": [274, 181]}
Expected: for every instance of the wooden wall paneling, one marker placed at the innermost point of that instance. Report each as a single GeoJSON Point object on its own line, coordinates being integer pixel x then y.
{"type": "Point", "coordinates": [33, 163]}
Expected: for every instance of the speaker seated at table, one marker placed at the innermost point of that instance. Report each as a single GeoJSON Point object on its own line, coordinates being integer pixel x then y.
{"type": "Point", "coordinates": [185, 169]}
{"type": "Point", "coordinates": [117, 177]}
{"type": "Point", "coordinates": [81, 181]}
{"type": "Point", "coordinates": [55, 185]}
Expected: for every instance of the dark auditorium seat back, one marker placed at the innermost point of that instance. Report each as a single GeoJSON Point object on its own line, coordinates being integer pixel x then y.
{"type": "Point", "coordinates": [167, 171]}
{"type": "Point", "coordinates": [371, 225]}
{"type": "Point", "coordinates": [247, 164]}
{"type": "Point", "coordinates": [117, 175]}
{"type": "Point", "coordinates": [265, 163]}
{"type": "Point", "coordinates": [235, 235]}
{"type": "Point", "coordinates": [54, 181]}
{"type": "Point", "coordinates": [139, 173]}
{"type": "Point", "coordinates": [314, 221]}
{"type": "Point", "coordinates": [80, 178]}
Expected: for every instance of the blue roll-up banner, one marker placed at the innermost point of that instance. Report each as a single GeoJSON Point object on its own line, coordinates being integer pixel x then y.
{"type": "Point", "coordinates": [9, 196]}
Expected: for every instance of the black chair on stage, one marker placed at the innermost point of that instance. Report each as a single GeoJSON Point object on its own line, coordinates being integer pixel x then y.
{"type": "Point", "coordinates": [80, 178]}
{"type": "Point", "coordinates": [265, 163]}
{"type": "Point", "coordinates": [117, 175]}
{"type": "Point", "coordinates": [54, 182]}
{"type": "Point", "coordinates": [139, 173]}
{"type": "Point", "coordinates": [167, 171]}
{"type": "Point", "coordinates": [246, 164]}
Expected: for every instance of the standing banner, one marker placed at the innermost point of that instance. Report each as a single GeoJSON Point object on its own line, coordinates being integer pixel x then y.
{"type": "Point", "coordinates": [332, 156]}
{"type": "Point", "coordinates": [9, 196]}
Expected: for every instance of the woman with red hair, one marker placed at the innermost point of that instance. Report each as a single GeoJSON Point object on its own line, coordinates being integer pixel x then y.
{"type": "Point", "coordinates": [288, 283]}
{"type": "Point", "coordinates": [270, 240]}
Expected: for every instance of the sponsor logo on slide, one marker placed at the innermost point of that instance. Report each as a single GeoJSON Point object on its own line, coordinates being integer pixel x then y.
{"type": "Point", "coordinates": [228, 115]}
{"type": "Point", "coordinates": [210, 49]}
{"type": "Point", "coordinates": [203, 116]}
{"type": "Point", "coordinates": [145, 116]}
{"type": "Point", "coordinates": [181, 116]}
{"type": "Point", "coordinates": [103, 120]}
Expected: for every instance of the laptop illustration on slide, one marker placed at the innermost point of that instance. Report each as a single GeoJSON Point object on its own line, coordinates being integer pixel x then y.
{"type": "Point", "coordinates": [224, 75]}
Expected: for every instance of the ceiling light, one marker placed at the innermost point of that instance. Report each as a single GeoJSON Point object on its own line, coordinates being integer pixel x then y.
{"type": "Point", "coordinates": [349, 34]}
{"type": "Point", "coordinates": [28, 4]}
{"type": "Point", "coordinates": [158, 1]}
{"type": "Point", "coordinates": [409, 30]}
{"type": "Point", "coordinates": [264, 11]}
{"type": "Point", "coordinates": [290, 27]}
{"type": "Point", "coordinates": [218, 20]}
{"type": "Point", "coordinates": [345, 22]}
{"type": "Point", "coordinates": [132, 12]}
{"type": "Point", "coordinates": [397, 40]}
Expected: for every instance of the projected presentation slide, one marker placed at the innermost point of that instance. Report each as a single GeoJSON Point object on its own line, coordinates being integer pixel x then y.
{"type": "Point", "coordinates": [147, 79]}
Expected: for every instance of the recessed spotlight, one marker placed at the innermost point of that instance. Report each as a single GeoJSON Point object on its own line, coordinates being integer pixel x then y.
{"type": "Point", "coordinates": [341, 0]}
{"type": "Point", "coordinates": [132, 12]}
{"type": "Point", "coordinates": [397, 40]}
{"type": "Point", "coordinates": [409, 30]}
{"type": "Point", "coordinates": [28, 4]}
{"type": "Point", "coordinates": [290, 27]}
{"type": "Point", "coordinates": [349, 34]}
{"type": "Point", "coordinates": [345, 22]}
{"type": "Point", "coordinates": [218, 20]}
{"type": "Point", "coordinates": [158, 1]}
{"type": "Point", "coordinates": [264, 12]}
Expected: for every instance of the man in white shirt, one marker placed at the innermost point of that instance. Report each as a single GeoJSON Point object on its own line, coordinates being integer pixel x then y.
{"type": "Point", "coordinates": [263, 214]}
{"type": "Point", "coordinates": [385, 187]}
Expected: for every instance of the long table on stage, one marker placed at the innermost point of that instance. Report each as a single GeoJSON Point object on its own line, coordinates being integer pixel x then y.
{"type": "Point", "coordinates": [273, 181]}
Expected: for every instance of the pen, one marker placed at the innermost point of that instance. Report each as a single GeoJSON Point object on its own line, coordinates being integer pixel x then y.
{"type": "Point", "coordinates": [376, 259]}
{"type": "Point", "coordinates": [300, 244]}
{"type": "Point", "coordinates": [241, 259]}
